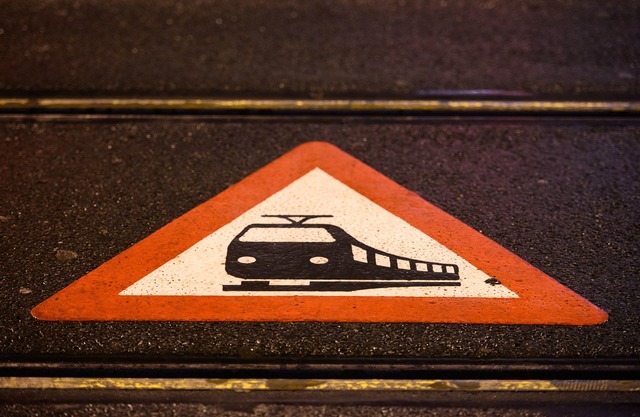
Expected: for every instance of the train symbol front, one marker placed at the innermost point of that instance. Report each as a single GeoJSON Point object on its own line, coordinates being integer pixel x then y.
{"type": "Point", "coordinates": [324, 255]}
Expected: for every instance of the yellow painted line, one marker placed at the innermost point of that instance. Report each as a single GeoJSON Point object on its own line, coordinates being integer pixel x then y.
{"type": "Point", "coordinates": [323, 105]}
{"type": "Point", "coordinates": [9, 102]}
{"type": "Point", "coordinates": [315, 384]}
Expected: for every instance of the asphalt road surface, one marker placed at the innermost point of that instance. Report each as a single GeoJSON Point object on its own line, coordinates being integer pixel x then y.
{"type": "Point", "coordinates": [320, 49]}
{"type": "Point", "coordinates": [560, 194]}
{"type": "Point", "coordinates": [80, 185]}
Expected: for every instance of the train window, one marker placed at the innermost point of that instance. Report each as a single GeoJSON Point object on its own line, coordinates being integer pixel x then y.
{"type": "Point", "coordinates": [383, 260]}
{"type": "Point", "coordinates": [422, 267]}
{"type": "Point", "coordinates": [404, 264]}
{"type": "Point", "coordinates": [287, 234]}
{"type": "Point", "coordinates": [437, 268]}
{"type": "Point", "coordinates": [318, 260]}
{"type": "Point", "coordinates": [246, 259]}
{"type": "Point", "coordinates": [359, 254]}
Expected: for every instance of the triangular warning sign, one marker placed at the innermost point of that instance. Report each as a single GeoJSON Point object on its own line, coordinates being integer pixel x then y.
{"type": "Point", "coordinates": [319, 236]}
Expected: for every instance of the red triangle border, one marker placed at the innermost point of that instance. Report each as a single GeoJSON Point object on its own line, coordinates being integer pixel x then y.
{"type": "Point", "coordinates": [542, 300]}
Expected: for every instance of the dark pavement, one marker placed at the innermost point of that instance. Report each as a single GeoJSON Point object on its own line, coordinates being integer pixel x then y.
{"type": "Point", "coordinates": [320, 49]}
{"type": "Point", "coordinates": [79, 187]}
{"type": "Point", "coordinates": [563, 195]}
{"type": "Point", "coordinates": [331, 404]}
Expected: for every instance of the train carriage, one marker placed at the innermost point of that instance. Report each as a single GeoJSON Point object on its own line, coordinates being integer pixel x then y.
{"type": "Point", "coordinates": [327, 256]}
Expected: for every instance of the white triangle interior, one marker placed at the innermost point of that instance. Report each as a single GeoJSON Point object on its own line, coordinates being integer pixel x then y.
{"type": "Point", "coordinates": [200, 270]}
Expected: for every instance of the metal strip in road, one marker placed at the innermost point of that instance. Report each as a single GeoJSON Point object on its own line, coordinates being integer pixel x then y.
{"type": "Point", "coordinates": [318, 384]}
{"type": "Point", "coordinates": [314, 105]}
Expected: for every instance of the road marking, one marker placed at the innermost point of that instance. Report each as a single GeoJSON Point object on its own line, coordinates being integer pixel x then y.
{"type": "Point", "coordinates": [200, 270]}
{"type": "Point", "coordinates": [319, 202]}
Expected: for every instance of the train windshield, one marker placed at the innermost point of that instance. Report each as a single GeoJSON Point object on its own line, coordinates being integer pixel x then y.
{"type": "Point", "coordinates": [287, 234]}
